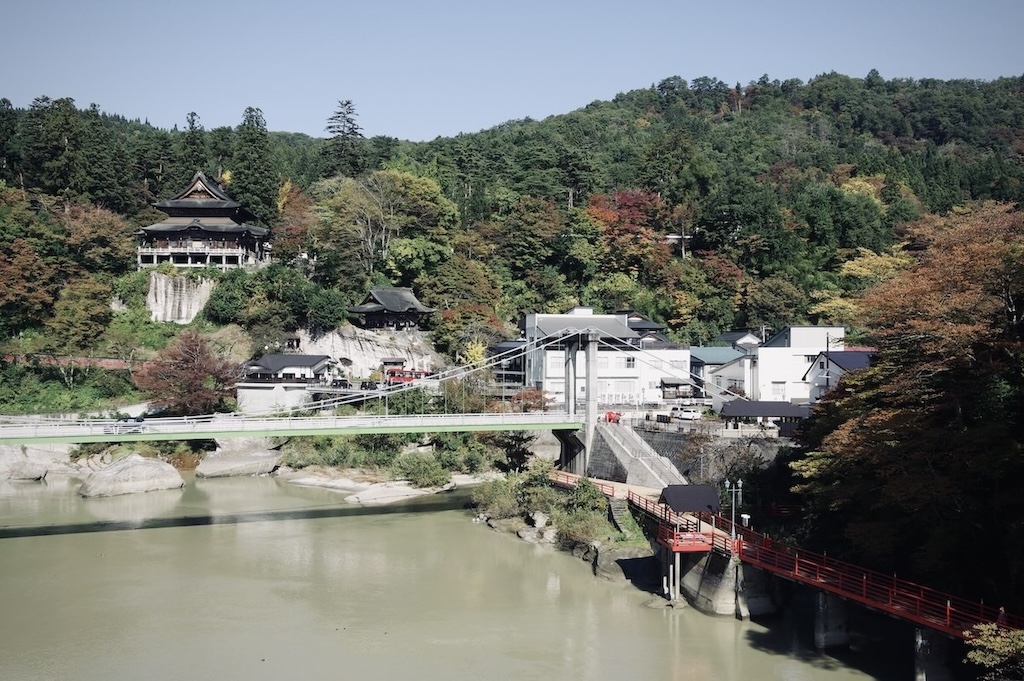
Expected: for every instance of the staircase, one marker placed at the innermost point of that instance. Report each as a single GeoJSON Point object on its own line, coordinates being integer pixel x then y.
{"type": "Point", "coordinates": [619, 511]}
{"type": "Point", "coordinates": [644, 466]}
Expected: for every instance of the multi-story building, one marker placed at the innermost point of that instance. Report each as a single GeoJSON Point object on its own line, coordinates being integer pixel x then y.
{"type": "Point", "coordinates": [783, 360]}
{"type": "Point", "coordinates": [633, 358]}
{"type": "Point", "coordinates": [204, 228]}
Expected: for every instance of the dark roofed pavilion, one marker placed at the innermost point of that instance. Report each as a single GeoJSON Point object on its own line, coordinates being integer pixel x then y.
{"type": "Point", "coordinates": [393, 307]}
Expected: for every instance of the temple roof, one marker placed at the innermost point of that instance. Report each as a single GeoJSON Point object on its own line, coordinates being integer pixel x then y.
{"type": "Point", "coordinates": [390, 300]}
{"type": "Point", "coordinates": [204, 193]}
{"type": "Point", "coordinates": [216, 225]}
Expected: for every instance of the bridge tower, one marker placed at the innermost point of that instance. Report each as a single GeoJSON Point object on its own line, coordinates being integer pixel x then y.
{"type": "Point", "coordinates": [577, 461]}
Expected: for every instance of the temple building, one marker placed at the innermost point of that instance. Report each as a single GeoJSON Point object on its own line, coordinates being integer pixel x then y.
{"type": "Point", "coordinates": [390, 308]}
{"type": "Point", "coordinates": [204, 228]}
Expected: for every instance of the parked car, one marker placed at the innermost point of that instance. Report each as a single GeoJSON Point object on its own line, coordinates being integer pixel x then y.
{"type": "Point", "coordinates": [687, 413]}
{"type": "Point", "coordinates": [126, 424]}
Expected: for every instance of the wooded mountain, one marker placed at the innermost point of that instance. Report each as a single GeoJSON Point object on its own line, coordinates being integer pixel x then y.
{"type": "Point", "coordinates": [890, 207]}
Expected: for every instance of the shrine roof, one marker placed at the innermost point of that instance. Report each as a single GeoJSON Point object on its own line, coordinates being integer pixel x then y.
{"type": "Point", "coordinates": [212, 225]}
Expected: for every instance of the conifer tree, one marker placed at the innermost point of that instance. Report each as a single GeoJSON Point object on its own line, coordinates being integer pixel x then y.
{"type": "Point", "coordinates": [252, 175]}
{"type": "Point", "coordinates": [343, 153]}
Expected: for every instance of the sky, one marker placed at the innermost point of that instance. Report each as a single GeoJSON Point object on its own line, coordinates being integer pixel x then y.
{"type": "Point", "coordinates": [421, 70]}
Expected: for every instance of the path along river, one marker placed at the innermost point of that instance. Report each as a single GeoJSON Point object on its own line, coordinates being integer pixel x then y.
{"type": "Point", "coordinates": [255, 578]}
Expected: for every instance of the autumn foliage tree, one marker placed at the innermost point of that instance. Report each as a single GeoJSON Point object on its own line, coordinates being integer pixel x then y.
{"type": "Point", "coordinates": [188, 378]}
{"type": "Point", "coordinates": [916, 462]}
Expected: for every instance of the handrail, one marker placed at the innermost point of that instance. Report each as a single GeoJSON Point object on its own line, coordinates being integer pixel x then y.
{"type": "Point", "coordinates": [82, 429]}
{"type": "Point", "coordinates": [923, 605]}
{"type": "Point", "coordinates": [570, 480]}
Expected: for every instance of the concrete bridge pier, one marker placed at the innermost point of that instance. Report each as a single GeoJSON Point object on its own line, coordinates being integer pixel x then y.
{"type": "Point", "coordinates": [930, 656]}
{"type": "Point", "coordinates": [671, 574]}
{"type": "Point", "coordinates": [830, 621]}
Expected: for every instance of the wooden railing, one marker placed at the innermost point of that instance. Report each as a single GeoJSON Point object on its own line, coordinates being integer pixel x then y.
{"type": "Point", "coordinates": [570, 480]}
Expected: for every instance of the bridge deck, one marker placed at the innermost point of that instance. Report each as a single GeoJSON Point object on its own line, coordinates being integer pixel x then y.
{"type": "Point", "coordinates": [27, 431]}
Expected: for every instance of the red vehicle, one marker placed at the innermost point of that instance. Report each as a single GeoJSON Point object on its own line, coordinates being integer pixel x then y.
{"type": "Point", "coordinates": [397, 376]}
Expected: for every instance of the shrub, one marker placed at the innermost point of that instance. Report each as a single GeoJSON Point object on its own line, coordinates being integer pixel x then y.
{"type": "Point", "coordinates": [581, 526]}
{"type": "Point", "coordinates": [422, 470]}
{"type": "Point", "coordinates": [497, 498]}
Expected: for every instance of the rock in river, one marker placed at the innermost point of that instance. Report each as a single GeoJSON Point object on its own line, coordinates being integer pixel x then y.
{"type": "Point", "coordinates": [134, 473]}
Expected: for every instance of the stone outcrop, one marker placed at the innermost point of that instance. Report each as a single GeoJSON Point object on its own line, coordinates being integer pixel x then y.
{"type": "Point", "coordinates": [176, 299]}
{"type": "Point", "coordinates": [360, 351]}
{"type": "Point", "coordinates": [133, 473]}
{"type": "Point", "coordinates": [33, 462]}
{"type": "Point", "coordinates": [226, 464]}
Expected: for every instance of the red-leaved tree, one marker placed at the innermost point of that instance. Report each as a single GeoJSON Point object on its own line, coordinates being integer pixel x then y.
{"type": "Point", "coordinates": [188, 378]}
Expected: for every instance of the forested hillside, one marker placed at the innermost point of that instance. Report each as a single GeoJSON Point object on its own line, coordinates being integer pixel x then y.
{"type": "Point", "coordinates": [767, 190]}
{"type": "Point", "coordinates": [890, 207]}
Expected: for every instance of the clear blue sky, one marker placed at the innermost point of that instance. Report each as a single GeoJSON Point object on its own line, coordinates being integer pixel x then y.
{"type": "Point", "coordinates": [418, 70]}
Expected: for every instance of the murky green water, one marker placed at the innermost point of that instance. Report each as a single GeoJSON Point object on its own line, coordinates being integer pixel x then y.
{"type": "Point", "coordinates": [256, 579]}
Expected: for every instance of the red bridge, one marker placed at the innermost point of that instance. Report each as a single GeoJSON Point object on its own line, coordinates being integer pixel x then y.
{"type": "Point", "coordinates": [900, 598]}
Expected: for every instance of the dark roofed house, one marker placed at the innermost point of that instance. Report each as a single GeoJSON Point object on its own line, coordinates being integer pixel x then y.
{"type": "Point", "coordinates": [288, 367]}
{"type": "Point", "coordinates": [830, 366]}
{"type": "Point", "coordinates": [204, 228]}
{"type": "Point", "coordinates": [786, 415]}
{"type": "Point", "coordinates": [395, 308]}
{"type": "Point", "coordinates": [279, 382]}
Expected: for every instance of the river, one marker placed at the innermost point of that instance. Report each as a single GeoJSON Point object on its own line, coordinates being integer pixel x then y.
{"type": "Point", "coordinates": [254, 578]}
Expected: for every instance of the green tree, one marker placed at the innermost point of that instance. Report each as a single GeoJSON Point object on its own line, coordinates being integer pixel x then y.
{"type": "Point", "coordinates": [253, 183]}
{"type": "Point", "coordinates": [343, 153]}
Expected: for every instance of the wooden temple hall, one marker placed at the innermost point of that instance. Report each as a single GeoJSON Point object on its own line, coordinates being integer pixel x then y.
{"type": "Point", "coordinates": [204, 228]}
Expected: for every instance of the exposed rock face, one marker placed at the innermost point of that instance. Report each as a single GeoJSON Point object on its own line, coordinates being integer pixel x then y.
{"type": "Point", "coordinates": [32, 462]}
{"type": "Point", "coordinates": [132, 474]}
{"type": "Point", "coordinates": [360, 351]}
{"type": "Point", "coordinates": [226, 464]}
{"type": "Point", "coordinates": [27, 470]}
{"type": "Point", "coordinates": [176, 299]}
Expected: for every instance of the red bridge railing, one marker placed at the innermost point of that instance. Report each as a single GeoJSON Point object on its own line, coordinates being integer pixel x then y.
{"type": "Point", "coordinates": [922, 605]}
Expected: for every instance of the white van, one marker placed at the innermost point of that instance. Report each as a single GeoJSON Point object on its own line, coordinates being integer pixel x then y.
{"type": "Point", "coordinates": [686, 413]}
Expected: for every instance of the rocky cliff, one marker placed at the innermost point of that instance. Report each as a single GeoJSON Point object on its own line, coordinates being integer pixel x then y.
{"type": "Point", "coordinates": [359, 352]}
{"type": "Point", "coordinates": [176, 299]}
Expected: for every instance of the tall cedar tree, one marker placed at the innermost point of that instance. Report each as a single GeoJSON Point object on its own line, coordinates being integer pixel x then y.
{"type": "Point", "coordinates": [188, 378]}
{"type": "Point", "coordinates": [253, 183]}
{"type": "Point", "coordinates": [343, 153]}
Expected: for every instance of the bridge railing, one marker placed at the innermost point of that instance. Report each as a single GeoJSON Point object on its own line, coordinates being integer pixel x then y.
{"type": "Point", "coordinates": [570, 480]}
{"type": "Point", "coordinates": [29, 429]}
{"type": "Point", "coordinates": [685, 522]}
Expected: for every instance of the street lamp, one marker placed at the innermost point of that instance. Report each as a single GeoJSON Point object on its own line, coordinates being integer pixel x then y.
{"type": "Point", "coordinates": [737, 493]}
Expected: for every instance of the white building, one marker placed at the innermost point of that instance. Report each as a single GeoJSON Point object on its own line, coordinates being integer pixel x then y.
{"type": "Point", "coordinates": [633, 358]}
{"type": "Point", "coordinates": [829, 367]}
{"type": "Point", "coordinates": [279, 382]}
{"type": "Point", "coordinates": [780, 372]}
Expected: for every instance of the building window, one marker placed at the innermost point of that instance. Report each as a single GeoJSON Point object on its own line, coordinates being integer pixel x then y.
{"type": "Point", "coordinates": [631, 362]}
{"type": "Point", "coordinates": [821, 365]}
{"type": "Point", "coordinates": [779, 389]}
